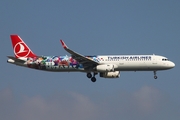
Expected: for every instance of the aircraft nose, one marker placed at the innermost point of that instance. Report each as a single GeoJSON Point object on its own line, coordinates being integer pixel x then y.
{"type": "Point", "coordinates": [172, 65]}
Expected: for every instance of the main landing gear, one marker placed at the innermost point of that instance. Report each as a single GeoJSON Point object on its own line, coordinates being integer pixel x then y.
{"type": "Point", "coordinates": [155, 76]}
{"type": "Point", "coordinates": [93, 79]}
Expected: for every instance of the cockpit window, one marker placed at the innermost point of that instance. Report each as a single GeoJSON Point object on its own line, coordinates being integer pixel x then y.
{"type": "Point", "coordinates": [165, 59]}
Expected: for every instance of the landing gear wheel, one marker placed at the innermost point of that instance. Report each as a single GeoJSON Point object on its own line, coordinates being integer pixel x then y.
{"type": "Point", "coordinates": [155, 77]}
{"type": "Point", "coordinates": [93, 79]}
{"type": "Point", "coordinates": [89, 75]}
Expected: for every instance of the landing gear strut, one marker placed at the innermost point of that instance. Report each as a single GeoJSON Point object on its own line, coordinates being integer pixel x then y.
{"type": "Point", "coordinates": [155, 76]}
{"type": "Point", "coordinates": [93, 79]}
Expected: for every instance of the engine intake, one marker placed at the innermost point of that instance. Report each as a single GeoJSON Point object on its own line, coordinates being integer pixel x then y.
{"type": "Point", "coordinates": [115, 74]}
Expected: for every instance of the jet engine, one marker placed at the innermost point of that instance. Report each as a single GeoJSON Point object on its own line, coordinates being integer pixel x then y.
{"type": "Point", "coordinates": [106, 68]}
{"type": "Point", "coordinates": [115, 74]}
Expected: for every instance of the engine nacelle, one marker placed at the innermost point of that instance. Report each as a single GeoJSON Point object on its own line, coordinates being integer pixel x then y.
{"type": "Point", "coordinates": [106, 68]}
{"type": "Point", "coordinates": [115, 74]}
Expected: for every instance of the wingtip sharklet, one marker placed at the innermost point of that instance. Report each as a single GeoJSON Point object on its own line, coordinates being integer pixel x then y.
{"type": "Point", "coordinates": [63, 44]}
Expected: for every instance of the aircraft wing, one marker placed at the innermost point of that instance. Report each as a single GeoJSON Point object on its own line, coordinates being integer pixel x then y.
{"type": "Point", "coordinates": [86, 61]}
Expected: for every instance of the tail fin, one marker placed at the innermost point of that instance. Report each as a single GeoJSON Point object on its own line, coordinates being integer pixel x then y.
{"type": "Point", "coordinates": [20, 48]}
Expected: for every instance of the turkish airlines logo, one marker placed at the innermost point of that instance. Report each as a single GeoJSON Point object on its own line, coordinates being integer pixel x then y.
{"type": "Point", "coordinates": [20, 50]}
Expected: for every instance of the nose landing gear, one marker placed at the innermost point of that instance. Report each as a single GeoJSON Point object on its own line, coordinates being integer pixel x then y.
{"type": "Point", "coordinates": [155, 76]}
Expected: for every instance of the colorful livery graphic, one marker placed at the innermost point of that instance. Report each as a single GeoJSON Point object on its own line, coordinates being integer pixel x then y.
{"type": "Point", "coordinates": [53, 63]}
{"type": "Point", "coordinates": [107, 66]}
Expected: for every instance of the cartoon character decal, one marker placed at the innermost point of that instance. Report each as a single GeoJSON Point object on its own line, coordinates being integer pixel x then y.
{"type": "Point", "coordinates": [64, 61]}
{"type": "Point", "coordinates": [56, 61]}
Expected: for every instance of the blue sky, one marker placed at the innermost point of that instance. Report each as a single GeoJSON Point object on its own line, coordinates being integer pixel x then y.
{"type": "Point", "coordinates": [90, 28]}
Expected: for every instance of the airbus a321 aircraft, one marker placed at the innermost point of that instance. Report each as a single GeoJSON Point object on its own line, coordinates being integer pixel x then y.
{"type": "Point", "coordinates": [108, 66]}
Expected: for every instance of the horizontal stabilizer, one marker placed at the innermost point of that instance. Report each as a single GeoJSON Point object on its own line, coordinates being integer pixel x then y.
{"type": "Point", "coordinates": [16, 59]}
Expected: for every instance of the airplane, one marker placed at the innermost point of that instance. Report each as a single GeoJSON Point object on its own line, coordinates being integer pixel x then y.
{"type": "Point", "coordinates": [108, 66]}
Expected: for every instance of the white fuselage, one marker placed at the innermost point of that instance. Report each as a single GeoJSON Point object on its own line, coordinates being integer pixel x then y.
{"type": "Point", "coordinates": [121, 62]}
{"type": "Point", "coordinates": [138, 62]}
